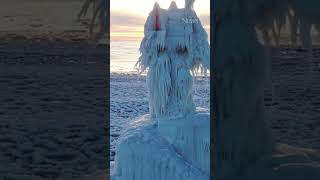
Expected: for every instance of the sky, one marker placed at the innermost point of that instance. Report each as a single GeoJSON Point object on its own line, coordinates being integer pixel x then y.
{"type": "Point", "coordinates": [128, 16]}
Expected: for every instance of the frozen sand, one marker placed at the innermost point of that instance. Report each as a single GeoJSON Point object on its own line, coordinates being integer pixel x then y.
{"type": "Point", "coordinates": [296, 110]}
{"type": "Point", "coordinates": [294, 120]}
{"type": "Point", "coordinates": [52, 101]}
{"type": "Point", "coordinates": [53, 109]}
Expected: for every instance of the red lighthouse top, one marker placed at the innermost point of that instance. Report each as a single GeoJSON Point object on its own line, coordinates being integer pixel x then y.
{"type": "Point", "coordinates": [157, 22]}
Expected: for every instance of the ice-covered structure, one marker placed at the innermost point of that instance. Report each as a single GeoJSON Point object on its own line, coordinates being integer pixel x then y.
{"type": "Point", "coordinates": [244, 148]}
{"type": "Point", "coordinates": [173, 141]}
{"type": "Point", "coordinates": [175, 43]}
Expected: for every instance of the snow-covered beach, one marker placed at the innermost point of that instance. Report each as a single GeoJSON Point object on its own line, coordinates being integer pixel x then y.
{"type": "Point", "coordinates": [52, 100]}
{"type": "Point", "coordinates": [53, 107]}
{"type": "Point", "coordinates": [295, 117]}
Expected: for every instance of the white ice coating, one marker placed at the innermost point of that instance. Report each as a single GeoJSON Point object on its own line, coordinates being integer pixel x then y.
{"type": "Point", "coordinates": [180, 146]}
{"type": "Point", "coordinates": [179, 47]}
{"type": "Point", "coordinates": [190, 136]}
{"type": "Point", "coordinates": [173, 142]}
{"type": "Point", "coordinates": [242, 68]}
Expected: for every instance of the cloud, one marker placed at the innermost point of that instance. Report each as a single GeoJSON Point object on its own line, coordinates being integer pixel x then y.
{"type": "Point", "coordinates": [127, 19]}
{"type": "Point", "coordinates": [124, 23]}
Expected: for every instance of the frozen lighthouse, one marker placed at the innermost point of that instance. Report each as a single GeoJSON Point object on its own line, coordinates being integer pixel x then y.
{"type": "Point", "coordinates": [172, 142]}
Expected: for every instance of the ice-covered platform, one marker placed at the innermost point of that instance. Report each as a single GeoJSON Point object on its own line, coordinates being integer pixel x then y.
{"type": "Point", "coordinates": [176, 148]}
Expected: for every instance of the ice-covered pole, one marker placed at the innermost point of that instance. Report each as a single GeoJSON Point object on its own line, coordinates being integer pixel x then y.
{"type": "Point", "coordinates": [189, 4]}
{"type": "Point", "coordinates": [157, 19]}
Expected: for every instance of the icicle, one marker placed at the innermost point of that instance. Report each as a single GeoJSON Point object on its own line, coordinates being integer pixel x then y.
{"type": "Point", "coordinates": [159, 84]}
{"type": "Point", "coordinates": [154, 39]}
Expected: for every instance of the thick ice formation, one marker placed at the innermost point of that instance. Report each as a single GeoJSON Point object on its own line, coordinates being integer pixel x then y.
{"type": "Point", "coordinates": [143, 153]}
{"type": "Point", "coordinates": [190, 136]}
{"type": "Point", "coordinates": [173, 142]}
{"type": "Point", "coordinates": [175, 43]}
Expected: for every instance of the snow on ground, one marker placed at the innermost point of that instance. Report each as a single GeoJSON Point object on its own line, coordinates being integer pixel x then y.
{"type": "Point", "coordinates": [296, 110]}
{"type": "Point", "coordinates": [129, 100]}
{"type": "Point", "coordinates": [52, 109]}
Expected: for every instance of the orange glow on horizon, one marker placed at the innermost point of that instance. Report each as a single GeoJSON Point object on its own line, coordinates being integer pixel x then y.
{"type": "Point", "coordinates": [128, 18]}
